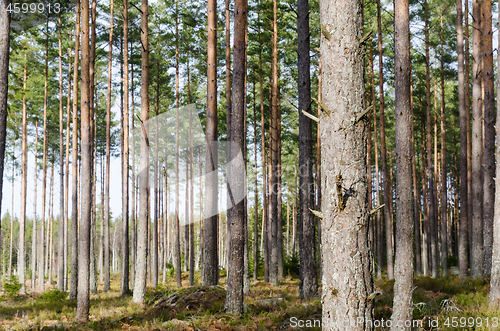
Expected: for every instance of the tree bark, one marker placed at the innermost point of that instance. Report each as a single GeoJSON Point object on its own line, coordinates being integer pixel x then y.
{"type": "Point", "coordinates": [83, 295]}
{"type": "Point", "coordinates": [60, 249]}
{"type": "Point", "coordinates": [345, 245]}
{"type": "Point", "coordinates": [4, 82]}
{"type": "Point", "coordinates": [24, 187]}
{"type": "Point", "coordinates": [477, 254]}
{"type": "Point", "coordinates": [107, 284]}
{"type": "Point", "coordinates": [464, 220]}
{"type": "Point", "coordinates": [210, 270]}
{"type": "Point", "coordinates": [444, 181]}
{"type": "Point", "coordinates": [34, 232]}
{"type": "Point", "coordinates": [235, 171]}
{"type": "Point", "coordinates": [385, 171]}
{"type": "Point", "coordinates": [308, 287]}
{"type": "Point", "coordinates": [495, 265]}
{"type": "Point", "coordinates": [142, 231]}
{"type": "Point", "coordinates": [403, 273]}
{"type": "Point", "coordinates": [489, 135]}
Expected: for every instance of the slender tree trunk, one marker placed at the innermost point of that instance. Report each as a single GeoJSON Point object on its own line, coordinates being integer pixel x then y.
{"type": "Point", "coordinates": [235, 172]}
{"type": "Point", "coordinates": [345, 252]}
{"type": "Point", "coordinates": [256, 195]}
{"type": "Point", "coordinates": [66, 190]}
{"type": "Point", "coordinates": [133, 256]}
{"type": "Point", "coordinates": [11, 237]}
{"type": "Point", "coordinates": [74, 182]}
{"type": "Point", "coordinates": [60, 249]}
{"type": "Point", "coordinates": [4, 83]}
{"type": "Point", "coordinates": [308, 287]}
{"type": "Point", "coordinates": [125, 289]}
{"type": "Point", "coordinates": [385, 171]}
{"type": "Point", "coordinates": [489, 135]}
{"type": "Point", "coordinates": [21, 265]}
{"type": "Point", "coordinates": [477, 254]}
{"type": "Point", "coordinates": [495, 265]}
{"type": "Point", "coordinates": [403, 273]}
{"type": "Point", "coordinates": [430, 164]}
{"type": "Point", "coordinates": [34, 233]}
{"type": "Point", "coordinates": [210, 270]}
{"type": "Point", "coordinates": [107, 284]}
{"type": "Point", "coordinates": [444, 181]}
{"type": "Point", "coordinates": [83, 298]}
{"type": "Point", "coordinates": [464, 220]}
{"type": "Point", "coordinates": [142, 232]}
{"type": "Point", "coordinates": [416, 189]}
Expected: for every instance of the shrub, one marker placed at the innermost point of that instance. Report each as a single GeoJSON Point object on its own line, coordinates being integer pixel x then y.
{"type": "Point", "coordinates": [12, 287]}
{"type": "Point", "coordinates": [54, 295]}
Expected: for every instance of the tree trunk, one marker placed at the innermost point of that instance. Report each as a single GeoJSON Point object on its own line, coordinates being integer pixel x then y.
{"type": "Point", "coordinates": [477, 144]}
{"type": "Point", "coordinates": [235, 171]}
{"type": "Point", "coordinates": [107, 284]}
{"type": "Point", "coordinates": [60, 249]}
{"type": "Point", "coordinates": [133, 256]}
{"type": "Point", "coordinates": [142, 231]}
{"type": "Point", "coordinates": [444, 181]}
{"type": "Point", "coordinates": [489, 135]}
{"type": "Point", "coordinates": [385, 171]}
{"type": "Point", "coordinates": [308, 287]}
{"type": "Point", "coordinates": [34, 232]}
{"type": "Point", "coordinates": [495, 265]}
{"type": "Point", "coordinates": [21, 265]}
{"type": "Point", "coordinates": [66, 190]}
{"type": "Point", "coordinates": [345, 252]}
{"type": "Point", "coordinates": [464, 220]}
{"type": "Point", "coordinates": [210, 270]}
{"type": "Point", "coordinates": [430, 164]}
{"type": "Point", "coordinates": [154, 271]}
{"type": "Point", "coordinates": [74, 182]}
{"type": "Point", "coordinates": [256, 195]}
{"type": "Point", "coordinates": [83, 298]}
{"type": "Point", "coordinates": [403, 273]}
{"type": "Point", "coordinates": [124, 282]}
{"type": "Point", "coordinates": [4, 82]}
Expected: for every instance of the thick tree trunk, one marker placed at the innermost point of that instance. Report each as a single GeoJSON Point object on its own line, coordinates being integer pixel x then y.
{"type": "Point", "coordinates": [210, 270]}
{"type": "Point", "coordinates": [83, 295]}
{"type": "Point", "coordinates": [345, 252]}
{"type": "Point", "coordinates": [477, 254]}
{"type": "Point", "coordinates": [489, 135]}
{"type": "Point", "coordinates": [4, 83]}
{"type": "Point", "coordinates": [403, 273]}
{"type": "Point", "coordinates": [235, 171]}
{"type": "Point", "coordinates": [74, 182]}
{"type": "Point", "coordinates": [308, 286]}
{"type": "Point", "coordinates": [142, 231]}
{"type": "Point", "coordinates": [21, 265]}
{"type": "Point", "coordinates": [464, 220]}
{"type": "Point", "coordinates": [385, 170]}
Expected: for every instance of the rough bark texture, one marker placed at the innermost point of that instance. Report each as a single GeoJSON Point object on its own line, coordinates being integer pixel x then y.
{"type": "Point", "coordinates": [347, 279]}
{"type": "Point", "coordinates": [383, 150]}
{"type": "Point", "coordinates": [495, 261]}
{"type": "Point", "coordinates": [308, 286]}
{"type": "Point", "coordinates": [34, 240]}
{"type": "Point", "coordinates": [463, 225]}
{"type": "Point", "coordinates": [60, 247]}
{"type": "Point", "coordinates": [235, 172]}
{"type": "Point", "coordinates": [74, 180]}
{"type": "Point", "coordinates": [477, 254]}
{"type": "Point", "coordinates": [403, 272]}
{"type": "Point", "coordinates": [142, 231]}
{"type": "Point", "coordinates": [210, 270]}
{"type": "Point", "coordinates": [83, 295]}
{"type": "Point", "coordinates": [489, 135]}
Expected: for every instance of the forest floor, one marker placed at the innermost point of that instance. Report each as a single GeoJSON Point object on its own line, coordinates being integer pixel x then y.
{"type": "Point", "coordinates": [266, 308]}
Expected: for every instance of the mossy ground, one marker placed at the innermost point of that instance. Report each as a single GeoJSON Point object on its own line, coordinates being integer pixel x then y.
{"type": "Point", "coordinates": [201, 308]}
